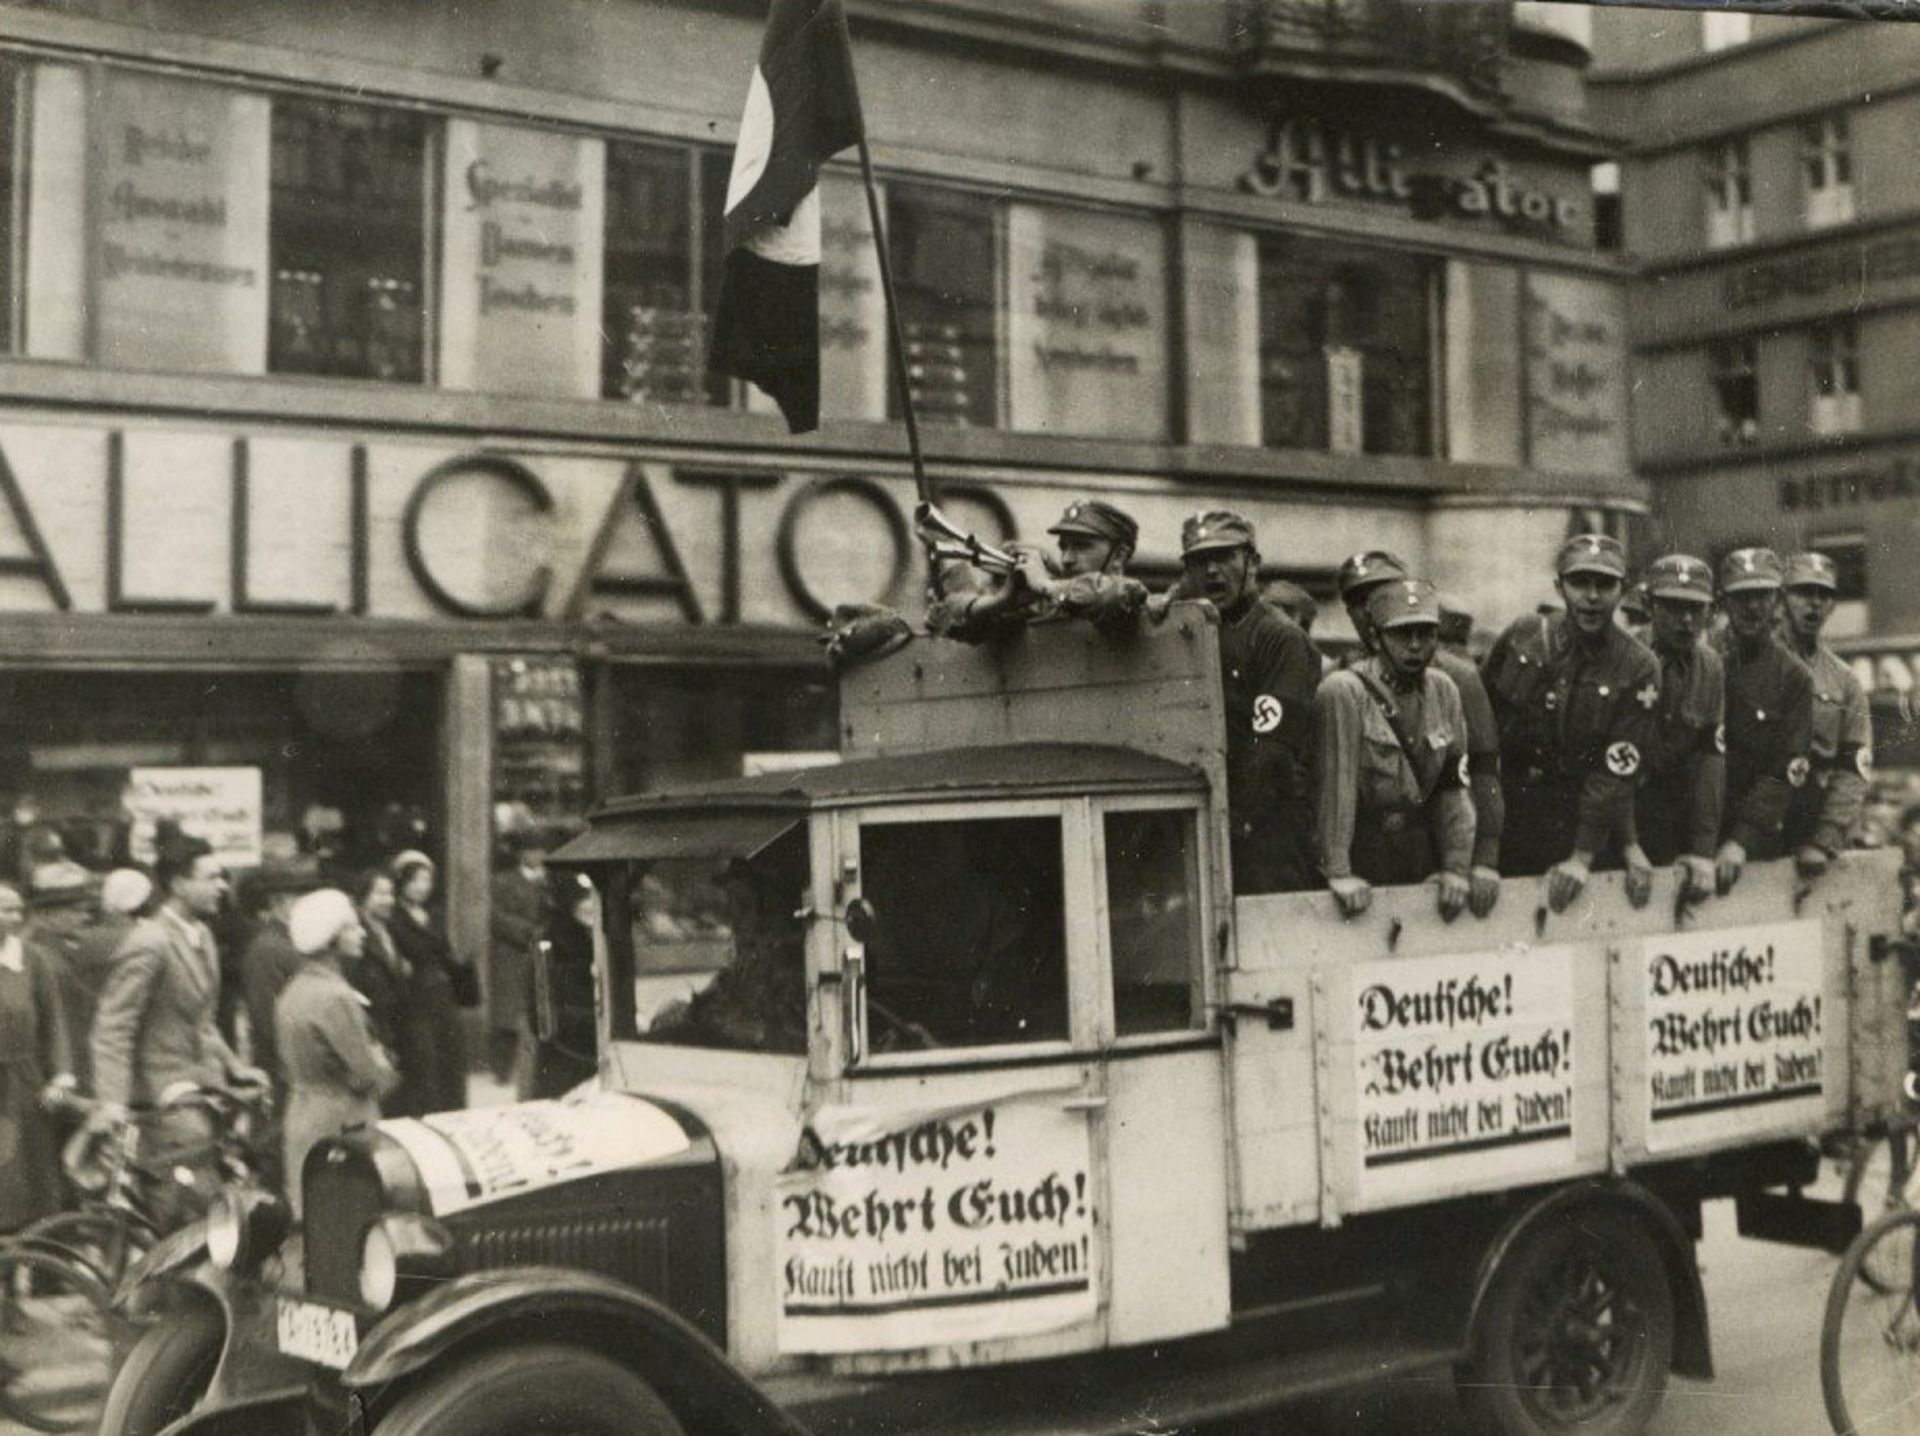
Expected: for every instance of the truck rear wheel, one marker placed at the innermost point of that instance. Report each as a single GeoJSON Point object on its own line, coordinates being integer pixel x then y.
{"type": "Point", "coordinates": [1576, 1333]}
{"type": "Point", "coordinates": [554, 1389]}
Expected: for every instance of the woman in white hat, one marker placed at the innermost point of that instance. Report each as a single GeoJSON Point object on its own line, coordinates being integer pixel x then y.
{"type": "Point", "coordinates": [336, 1072]}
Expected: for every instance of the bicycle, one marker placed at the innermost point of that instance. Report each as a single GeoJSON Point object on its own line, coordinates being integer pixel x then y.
{"type": "Point", "coordinates": [64, 1334]}
{"type": "Point", "coordinates": [1870, 1333]}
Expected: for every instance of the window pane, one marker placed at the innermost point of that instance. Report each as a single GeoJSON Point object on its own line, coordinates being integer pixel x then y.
{"type": "Point", "coordinates": [942, 246]}
{"type": "Point", "coordinates": [677, 725]}
{"type": "Point", "coordinates": [971, 940]}
{"type": "Point", "coordinates": [1325, 314]}
{"type": "Point", "coordinates": [657, 336]}
{"type": "Point", "coordinates": [1153, 921]}
{"type": "Point", "coordinates": [9, 231]}
{"type": "Point", "coordinates": [348, 238]}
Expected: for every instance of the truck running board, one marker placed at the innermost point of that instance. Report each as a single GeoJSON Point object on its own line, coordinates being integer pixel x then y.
{"type": "Point", "coordinates": [1794, 1220]}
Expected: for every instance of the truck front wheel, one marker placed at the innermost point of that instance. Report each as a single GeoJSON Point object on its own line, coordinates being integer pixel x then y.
{"type": "Point", "coordinates": [1576, 1332]}
{"type": "Point", "coordinates": [165, 1374]}
{"type": "Point", "coordinates": [554, 1389]}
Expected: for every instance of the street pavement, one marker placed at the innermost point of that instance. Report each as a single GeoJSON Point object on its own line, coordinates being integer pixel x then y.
{"type": "Point", "coordinates": [1765, 1304]}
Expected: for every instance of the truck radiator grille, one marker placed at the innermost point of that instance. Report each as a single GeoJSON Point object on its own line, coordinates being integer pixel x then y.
{"type": "Point", "coordinates": [633, 1249]}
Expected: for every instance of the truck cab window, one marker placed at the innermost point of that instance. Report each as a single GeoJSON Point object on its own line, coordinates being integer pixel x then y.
{"type": "Point", "coordinates": [1153, 921]}
{"type": "Point", "coordinates": [970, 947]}
{"type": "Point", "coordinates": [720, 951]}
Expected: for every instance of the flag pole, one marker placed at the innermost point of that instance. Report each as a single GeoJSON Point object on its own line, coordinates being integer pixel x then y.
{"type": "Point", "coordinates": [922, 485]}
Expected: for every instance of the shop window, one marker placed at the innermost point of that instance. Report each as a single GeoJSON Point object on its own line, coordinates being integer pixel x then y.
{"type": "Point", "coordinates": [676, 725]}
{"type": "Point", "coordinates": [1346, 349]}
{"type": "Point", "coordinates": [1826, 164]}
{"type": "Point", "coordinates": [655, 324]}
{"type": "Point", "coordinates": [1729, 181]}
{"type": "Point", "coordinates": [970, 942]}
{"type": "Point", "coordinates": [1153, 921]}
{"type": "Point", "coordinates": [1724, 29]}
{"type": "Point", "coordinates": [943, 246]}
{"type": "Point", "coordinates": [1850, 617]}
{"type": "Point", "coordinates": [1736, 389]}
{"type": "Point", "coordinates": [1834, 365]}
{"type": "Point", "coordinates": [11, 101]}
{"type": "Point", "coordinates": [348, 240]}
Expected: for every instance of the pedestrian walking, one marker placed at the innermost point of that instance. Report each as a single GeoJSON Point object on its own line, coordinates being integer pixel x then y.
{"type": "Point", "coordinates": [379, 972]}
{"type": "Point", "coordinates": [563, 996]}
{"type": "Point", "coordinates": [432, 1048]}
{"type": "Point", "coordinates": [336, 1072]}
{"type": "Point", "coordinates": [36, 1062]}
{"type": "Point", "coordinates": [518, 918]}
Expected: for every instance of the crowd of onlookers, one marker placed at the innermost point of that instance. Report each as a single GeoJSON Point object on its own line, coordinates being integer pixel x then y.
{"type": "Point", "coordinates": [334, 995]}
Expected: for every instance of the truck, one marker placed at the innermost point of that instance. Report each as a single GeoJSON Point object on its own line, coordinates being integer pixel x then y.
{"type": "Point", "coordinates": [952, 1088]}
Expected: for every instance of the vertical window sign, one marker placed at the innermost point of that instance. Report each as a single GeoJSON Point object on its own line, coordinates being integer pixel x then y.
{"type": "Point", "coordinates": [1345, 410]}
{"type": "Point", "coordinates": [853, 308]}
{"type": "Point", "coordinates": [1086, 323]}
{"type": "Point", "coordinates": [180, 236]}
{"type": "Point", "coordinates": [522, 236]}
{"type": "Point", "coordinates": [1576, 381]}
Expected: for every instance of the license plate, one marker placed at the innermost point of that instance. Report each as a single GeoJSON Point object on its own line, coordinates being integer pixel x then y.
{"type": "Point", "coordinates": [316, 1333]}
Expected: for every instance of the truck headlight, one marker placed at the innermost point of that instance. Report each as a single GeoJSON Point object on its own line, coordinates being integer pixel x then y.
{"type": "Point", "coordinates": [245, 1226]}
{"type": "Point", "coordinates": [397, 1246]}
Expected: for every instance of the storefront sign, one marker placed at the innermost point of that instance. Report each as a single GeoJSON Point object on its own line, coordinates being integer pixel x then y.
{"type": "Point", "coordinates": [1087, 323]}
{"type": "Point", "coordinates": [1576, 380]}
{"type": "Point", "coordinates": [180, 230]}
{"type": "Point", "coordinates": [221, 805]}
{"type": "Point", "coordinates": [901, 1231]}
{"type": "Point", "coordinates": [1315, 163]}
{"type": "Point", "coordinates": [1346, 407]}
{"type": "Point", "coordinates": [1461, 1062]}
{"type": "Point", "coordinates": [523, 231]}
{"type": "Point", "coordinates": [1850, 489]}
{"type": "Point", "coordinates": [484, 1155]}
{"type": "Point", "coordinates": [1734, 1038]}
{"type": "Point", "coordinates": [1854, 268]}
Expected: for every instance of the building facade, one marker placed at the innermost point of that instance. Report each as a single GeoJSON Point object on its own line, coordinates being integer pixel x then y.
{"type": "Point", "coordinates": [355, 427]}
{"type": "Point", "coordinates": [1768, 199]}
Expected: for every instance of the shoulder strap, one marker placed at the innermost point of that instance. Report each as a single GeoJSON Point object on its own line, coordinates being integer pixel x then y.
{"type": "Point", "coordinates": [1426, 774]}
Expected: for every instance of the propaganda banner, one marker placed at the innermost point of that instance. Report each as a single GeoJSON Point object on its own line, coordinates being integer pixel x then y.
{"type": "Point", "coordinates": [1464, 1065]}
{"type": "Point", "coordinates": [903, 1230]}
{"type": "Point", "coordinates": [1734, 1037]}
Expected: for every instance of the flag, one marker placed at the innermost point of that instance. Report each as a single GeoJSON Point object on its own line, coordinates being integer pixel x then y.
{"type": "Point", "coordinates": [801, 110]}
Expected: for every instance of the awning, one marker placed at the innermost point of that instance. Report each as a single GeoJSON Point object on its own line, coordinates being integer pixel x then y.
{"type": "Point", "coordinates": [678, 835]}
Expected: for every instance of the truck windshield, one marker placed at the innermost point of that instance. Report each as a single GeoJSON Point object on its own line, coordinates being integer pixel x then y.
{"type": "Point", "coordinates": [720, 953]}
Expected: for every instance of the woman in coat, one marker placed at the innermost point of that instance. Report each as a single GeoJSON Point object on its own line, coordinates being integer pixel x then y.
{"type": "Point", "coordinates": [336, 1072]}
{"type": "Point", "coordinates": [36, 1060]}
{"type": "Point", "coordinates": [433, 1057]}
{"type": "Point", "coordinates": [563, 1012]}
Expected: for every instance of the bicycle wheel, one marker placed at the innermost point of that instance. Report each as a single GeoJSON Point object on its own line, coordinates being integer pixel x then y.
{"type": "Point", "coordinates": [1877, 1179]}
{"type": "Point", "coordinates": [107, 1241]}
{"type": "Point", "coordinates": [60, 1340]}
{"type": "Point", "coordinates": [1870, 1337]}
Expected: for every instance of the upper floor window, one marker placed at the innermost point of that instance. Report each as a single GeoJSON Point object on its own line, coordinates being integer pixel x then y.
{"type": "Point", "coordinates": [1723, 29]}
{"type": "Point", "coordinates": [11, 102]}
{"type": "Point", "coordinates": [654, 316]}
{"type": "Point", "coordinates": [347, 241]}
{"type": "Point", "coordinates": [1850, 617]}
{"type": "Point", "coordinates": [1729, 181]}
{"type": "Point", "coordinates": [1834, 366]}
{"type": "Point", "coordinates": [1346, 348]}
{"type": "Point", "coordinates": [1736, 388]}
{"type": "Point", "coordinates": [1607, 217]}
{"type": "Point", "coordinates": [1826, 164]}
{"type": "Point", "coordinates": [944, 247]}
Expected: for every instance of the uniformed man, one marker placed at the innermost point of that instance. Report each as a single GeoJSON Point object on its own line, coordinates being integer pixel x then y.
{"type": "Point", "coordinates": [1392, 760]}
{"type": "Point", "coordinates": [1769, 715]}
{"type": "Point", "coordinates": [1574, 698]}
{"type": "Point", "coordinates": [1360, 577]}
{"type": "Point", "coordinates": [1096, 541]}
{"type": "Point", "coordinates": [1677, 809]}
{"type": "Point", "coordinates": [1824, 813]}
{"type": "Point", "coordinates": [1268, 673]}
{"type": "Point", "coordinates": [1094, 537]}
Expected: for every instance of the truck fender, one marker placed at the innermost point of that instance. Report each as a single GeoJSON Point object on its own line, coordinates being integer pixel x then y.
{"type": "Point", "coordinates": [1693, 1346]}
{"type": "Point", "coordinates": [688, 1372]}
{"type": "Point", "coordinates": [162, 1269]}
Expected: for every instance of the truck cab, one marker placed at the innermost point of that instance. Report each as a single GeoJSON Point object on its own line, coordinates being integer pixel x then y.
{"type": "Point", "coordinates": [951, 1087]}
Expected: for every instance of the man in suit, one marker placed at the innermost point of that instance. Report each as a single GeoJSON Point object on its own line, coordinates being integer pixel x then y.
{"type": "Point", "coordinates": [154, 1031]}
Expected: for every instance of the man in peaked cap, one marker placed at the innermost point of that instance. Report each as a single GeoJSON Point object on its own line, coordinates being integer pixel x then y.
{"type": "Point", "coordinates": [1824, 813]}
{"type": "Point", "coordinates": [1096, 540]}
{"type": "Point", "coordinates": [1574, 697]}
{"type": "Point", "coordinates": [1769, 715]}
{"type": "Point", "coordinates": [1268, 673]}
{"type": "Point", "coordinates": [1392, 761]}
{"type": "Point", "coordinates": [1094, 537]}
{"type": "Point", "coordinates": [1360, 577]}
{"type": "Point", "coordinates": [1677, 809]}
